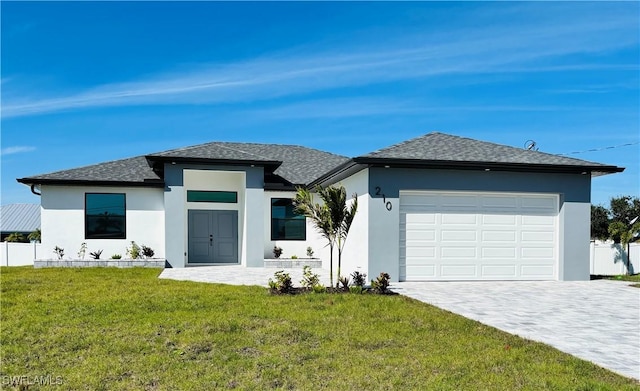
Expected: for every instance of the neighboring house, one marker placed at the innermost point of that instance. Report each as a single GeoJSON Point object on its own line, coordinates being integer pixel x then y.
{"type": "Point", "coordinates": [437, 207]}
{"type": "Point", "coordinates": [19, 218]}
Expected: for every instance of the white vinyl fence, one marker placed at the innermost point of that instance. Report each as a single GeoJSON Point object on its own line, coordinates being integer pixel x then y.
{"type": "Point", "coordinates": [20, 254]}
{"type": "Point", "coordinates": [610, 259]}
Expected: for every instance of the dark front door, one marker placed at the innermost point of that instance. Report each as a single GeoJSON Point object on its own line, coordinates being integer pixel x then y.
{"type": "Point", "coordinates": [213, 236]}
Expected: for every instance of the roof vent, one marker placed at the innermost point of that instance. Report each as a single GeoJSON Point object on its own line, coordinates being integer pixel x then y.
{"type": "Point", "coordinates": [530, 145]}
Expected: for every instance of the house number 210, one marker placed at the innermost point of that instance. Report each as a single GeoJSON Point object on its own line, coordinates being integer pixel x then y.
{"type": "Point", "coordinates": [386, 203]}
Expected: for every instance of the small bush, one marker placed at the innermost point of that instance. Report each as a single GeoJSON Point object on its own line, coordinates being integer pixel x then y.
{"type": "Point", "coordinates": [359, 279]}
{"type": "Point", "coordinates": [343, 283]}
{"type": "Point", "coordinates": [82, 251]}
{"type": "Point", "coordinates": [309, 279]}
{"type": "Point", "coordinates": [282, 282]}
{"type": "Point", "coordinates": [147, 252]}
{"type": "Point", "coordinates": [319, 289]}
{"type": "Point", "coordinates": [381, 284]}
{"type": "Point", "coordinates": [309, 252]}
{"type": "Point", "coordinates": [356, 289]}
{"type": "Point", "coordinates": [277, 251]}
{"type": "Point", "coordinates": [59, 252]}
{"type": "Point", "coordinates": [116, 256]}
{"type": "Point", "coordinates": [134, 251]}
{"type": "Point", "coordinates": [294, 257]}
{"type": "Point", "coordinates": [96, 254]}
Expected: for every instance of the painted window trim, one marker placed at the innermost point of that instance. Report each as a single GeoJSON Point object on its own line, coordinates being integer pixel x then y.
{"type": "Point", "coordinates": [194, 192]}
{"type": "Point", "coordinates": [304, 220]}
{"type": "Point", "coordinates": [86, 231]}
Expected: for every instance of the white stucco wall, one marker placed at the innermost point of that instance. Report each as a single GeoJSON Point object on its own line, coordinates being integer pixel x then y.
{"type": "Point", "coordinates": [356, 250]}
{"type": "Point", "coordinates": [62, 220]}
{"type": "Point", "coordinates": [291, 247]}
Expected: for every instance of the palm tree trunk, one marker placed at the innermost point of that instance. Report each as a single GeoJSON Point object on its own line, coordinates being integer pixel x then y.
{"type": "Point", "coordinates": [331, 264]}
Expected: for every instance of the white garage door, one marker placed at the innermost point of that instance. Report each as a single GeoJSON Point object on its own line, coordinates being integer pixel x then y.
{"type": "Point", "coordinates": [478, 236]}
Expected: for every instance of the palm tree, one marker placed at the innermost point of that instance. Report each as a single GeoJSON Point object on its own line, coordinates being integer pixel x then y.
{"type": "Point", "coordinates": [332, 219]}
{"type": "Point", "coordinates": [626, 233]}
{"type": "Point", "coordinates": [15, 237]}
{"type": "Point", "coordinates": [35, 236]}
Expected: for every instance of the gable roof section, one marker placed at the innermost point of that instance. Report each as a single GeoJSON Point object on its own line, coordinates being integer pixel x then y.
{"type": "Point", "coordinates": [19, 218]}
{"type": "Point", "coordinates": [129, 172]}
{"type": "Point", "coordinates": [439, 148]}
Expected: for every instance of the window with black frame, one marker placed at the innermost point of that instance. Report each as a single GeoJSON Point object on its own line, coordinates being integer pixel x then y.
{"type": "Point", "coordinates": [286, 224]}
{"type": "Point", "coordinates": [105, 216]}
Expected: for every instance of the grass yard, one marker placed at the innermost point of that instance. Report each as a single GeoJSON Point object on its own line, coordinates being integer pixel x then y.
{"type": "Point", "coordinates": [124, 329]}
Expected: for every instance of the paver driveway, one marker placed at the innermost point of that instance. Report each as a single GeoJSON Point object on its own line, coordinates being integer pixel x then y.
{"type": "Point", "coordinates": [598, 321]}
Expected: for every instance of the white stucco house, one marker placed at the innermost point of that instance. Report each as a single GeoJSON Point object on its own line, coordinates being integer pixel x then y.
{"type": "Point", "coordinates": [437, 207]}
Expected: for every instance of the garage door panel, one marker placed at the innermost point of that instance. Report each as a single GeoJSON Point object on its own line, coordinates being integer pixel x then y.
{"type": "Point", "coordinates": [458, 236]}
{"type": "Point", "coordinates": [420, 252]}
{"type": "Point", "coordinates": [458, 252]}
{"type": "Point", "coordinates": [459, 219]}
{"type": "Point", "coordinates": [456, 271]}
{"type": "Point", "coordinates": [498, 271]}
{"type": "Point", "coordinates": [499, 219]}
{"type": "Point", "coordinates": [537, 271]}
{"type": "Point", "coordinates": [537, 252]}
{"type": "Point", "coordinates": [421, 271]}
{"type": "Point", "coordinates": [537, 237]}
{"type": "Point", "coordinates": [548, 221]}
{"type": "Point", "coordinates": [546, 204]}
{"type": "Point", "coordinates": [477, 236]}
{"type": "Point", "coordinates": [494, 252]}
{"type": "Point", "coordinates": [499, 236]}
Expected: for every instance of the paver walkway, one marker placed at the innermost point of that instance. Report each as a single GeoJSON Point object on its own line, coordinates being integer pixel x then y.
{"type": "Point", "coordinates": [598, 321]}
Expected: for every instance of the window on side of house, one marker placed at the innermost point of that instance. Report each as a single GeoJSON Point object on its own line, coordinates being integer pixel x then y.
{"type": "Point", "coordinates": [286, 224]}
{"type": "Point", "coordinates": [105, 216]}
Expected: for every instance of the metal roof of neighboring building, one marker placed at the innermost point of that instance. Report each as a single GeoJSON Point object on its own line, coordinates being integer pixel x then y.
{"type": "Point", "coordinates": [19, 218]}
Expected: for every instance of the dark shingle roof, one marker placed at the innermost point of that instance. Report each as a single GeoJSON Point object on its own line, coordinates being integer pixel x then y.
{"type": "Point", "coordinates": [126, 171]}
{"type": "Point", "coordinates": [444, 147]}
{"type": "Point", "coordinates": [19, 217]}
{"type": "Point", "coordinates": [300, 165]}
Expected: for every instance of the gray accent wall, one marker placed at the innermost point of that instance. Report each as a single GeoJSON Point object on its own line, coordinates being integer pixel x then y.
{"type": "Point", "coordinates": [176, 216]}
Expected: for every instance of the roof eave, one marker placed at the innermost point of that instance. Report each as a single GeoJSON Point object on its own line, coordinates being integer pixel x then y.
{"type": "Point", "coordinates": [484, 166]}
{"type": "Point", "coordinates": [151, 159]}
{"type": "Point", "coordinates": [85, 182]}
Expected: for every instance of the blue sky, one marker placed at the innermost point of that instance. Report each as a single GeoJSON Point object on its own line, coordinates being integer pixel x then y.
{"type": "Point", "coordinates": [86, 82]}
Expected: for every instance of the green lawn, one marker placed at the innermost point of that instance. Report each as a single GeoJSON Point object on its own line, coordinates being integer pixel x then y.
{"type": "Point", "coordinates": [125, 329]}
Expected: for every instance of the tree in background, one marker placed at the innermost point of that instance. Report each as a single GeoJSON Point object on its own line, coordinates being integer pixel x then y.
{"type": "Point", "coordinates": [599, 222]}
{"type": "Point", "coordinates": [15, 238]}
{"type": "Point", "coordinates": [35, 236]}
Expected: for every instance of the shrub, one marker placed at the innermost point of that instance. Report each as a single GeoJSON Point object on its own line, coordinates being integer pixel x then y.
{"type": "Point", "coordinates": [277, 251]}
{"type": "Point", "coordinates": [282, 282]}
{"type": "Point", "coordinates": [35, 236]}
{"type": "Point", "coordinates": [96, 254]}
{"type": "Point", "coordinates": [294, 257]}
{"type": "Point", "coordinates": [309, 252]}
{"type": "Point", "coordinates": [59, 252]}
{"type": "Point", "coordinates": [309, 279]}
{"type": "Point", "coordinates": [319, 289]}
{"type": "Point", "coordinates": [381, 284]}
{"type": "Point", "coordinates": [134, 251]}
{"type": "Point", "coordinates": [359, 279]}
{"type": "Point", "coordinates": [82, 251]}
{"type": "Point", "coordinates": [116, 256]}
{"type": "Point", "coordinates": [356, 289]}
{"type": "Point", "coordinates": [147, 252]}
{"type": "Point", "coordinates": [343, 283]}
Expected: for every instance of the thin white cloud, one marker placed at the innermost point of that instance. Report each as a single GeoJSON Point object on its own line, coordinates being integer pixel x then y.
{"type": "Point", "coordinates": [16, 149]}
{"type": "Point", "coordinates": [506, 48]}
